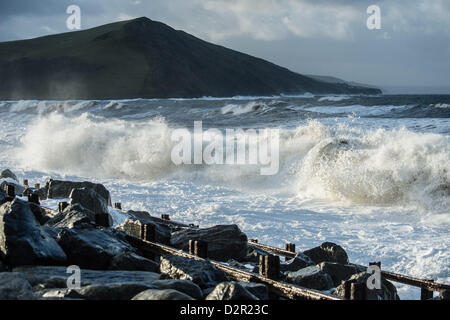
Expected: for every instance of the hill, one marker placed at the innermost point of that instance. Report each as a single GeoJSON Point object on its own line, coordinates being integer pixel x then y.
{"type": "Point", "coordinates": [142, 58]}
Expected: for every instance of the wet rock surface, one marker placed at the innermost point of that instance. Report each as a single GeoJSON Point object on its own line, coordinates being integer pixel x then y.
{"type": "Point", "coordinates": [230, 291]}
{"type": "Point", "coordinates": [166, 294]}
{"type": "Point", "coordinates": [224, 242]}
{"type": "Point", "coordinates": [327, 252]}
{"type": "Point", "coordinates": [22, 239]}
{"type": "Point", "coordinates": [202, 273]}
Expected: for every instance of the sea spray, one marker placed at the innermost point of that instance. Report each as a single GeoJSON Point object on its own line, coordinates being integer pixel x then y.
{"type": "Point", "coordinates": [339, 163]}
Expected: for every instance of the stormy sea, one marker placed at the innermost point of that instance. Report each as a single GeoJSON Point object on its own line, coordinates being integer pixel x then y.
{"type": "Point", "coordinates": [371, 173]}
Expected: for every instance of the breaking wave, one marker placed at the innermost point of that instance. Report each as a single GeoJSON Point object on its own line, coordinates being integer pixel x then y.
{"type": "Point", "coordinates": [339, 163]}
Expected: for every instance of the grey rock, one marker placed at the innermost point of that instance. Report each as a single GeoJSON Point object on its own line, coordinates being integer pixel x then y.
{"type": "Point", "coordinates": [167, 294]}
{"type": "Point", "coordinates": [73, 216]}
{"type": "Point", "coordinates": [230, 291]}
{"type": "Point", "coordinates": [339, 272]}
{"type": "Point", "coordinates": [310, 277]}
{"type": "Point", "coordinates": [39, 214]}
{"type": "Point", "coordinates": [99, 249]}
{"type": "Point", "coordinates": [57, 189]}
{"type": "Point", "coordinates": [224, 241]}
{"type": "Point", "coordinates": [40, 275]}
{"type": "Point", "coordinates": [328, 252]}
{"type": "Point", "coordinates": [89, 199]}
{"type": "Point", "coordinates": [114, 291]}
{"type": "Point", "coordinates": [59, 294]}
{"type": "Point", "coordinates": [23, 241]}
{"type": "Point", "coordinates": [202, 273]}
{"type": "Point", "coordinates": [131, 261]}
{"type": "Point", "coordinates": [259, 290]}
{"type": "Point", "coordinates": [14, 286]}
{"type": "Point", "coordinates": [298, 262]}
{"type": "Point", "coordinates": [8, 174]}
{"type": "Point", "coordinates": [184, 286]}
{"type": "Point", "coordinates": [387, 292]}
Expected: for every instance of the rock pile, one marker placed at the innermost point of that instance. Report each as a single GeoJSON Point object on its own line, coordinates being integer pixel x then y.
{"type": "Point", "coordinates": [37, 247]}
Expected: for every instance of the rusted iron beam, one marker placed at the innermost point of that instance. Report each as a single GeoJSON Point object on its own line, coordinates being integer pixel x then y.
{"type": "Point", "coordinates": [415, 282]}
{"type": "Point", "coordinates": [281, 288]}
{"type": "Point", "coordinates": [273, 250]}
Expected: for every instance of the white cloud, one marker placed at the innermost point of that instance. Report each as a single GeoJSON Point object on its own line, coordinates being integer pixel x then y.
{"type": "Point", "coordinates": [275, 19]}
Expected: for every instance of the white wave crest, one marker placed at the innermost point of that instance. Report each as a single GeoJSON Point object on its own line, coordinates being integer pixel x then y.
{"type": "Point", "coordinates": [334, 98]}
{"type": "Point", "coordinates": [236, 109]}
{"type": "Point", "coordinates": [338, 163]}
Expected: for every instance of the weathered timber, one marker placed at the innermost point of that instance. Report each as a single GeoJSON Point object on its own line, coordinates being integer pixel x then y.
{"type": "Point", "coordinates": [280, 288]}
{"type": "Point", "coordinates": [415, 282]}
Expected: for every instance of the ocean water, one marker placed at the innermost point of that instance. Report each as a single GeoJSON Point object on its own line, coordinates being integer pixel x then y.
{"type": "Point", "coordinates": [371, 173]}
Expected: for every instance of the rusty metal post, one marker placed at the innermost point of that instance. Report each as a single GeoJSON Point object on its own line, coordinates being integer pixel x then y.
{"type": "Point", "coordinates": [34, 198]}
{"type": "Point", "coordinates": [272, 265]}
{"type": "Point", "coordinates": [347, 288]}
{"type": "Point", "coordinates": [25, 182]}
{"type": "Point", "coordinates": [10, 191]}
{"type": "Point", "coordinates": [290, 247]}
{"type": "Point", "coordinates": [103, 219]}
{"type": "Point", "coordinates": [118, 206]}
{"type": "Point", "coordinates": [262, 265]}
{"type": "Point", "coordinates": [62, 206]}
{"type": "Point", "coordinates": [201, 249]}
{"type": "Point", "coordinates": [149, 232]}
{"type": "Point", "coordinates": [358, 291]}
{"type": "Point", "coordinates": [192, 247]}
{"type": "Point", "coordinates": [425, 293]}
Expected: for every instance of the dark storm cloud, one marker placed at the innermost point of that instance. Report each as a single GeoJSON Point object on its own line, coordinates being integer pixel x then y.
{"type": "Point", "coordinates": [308, 36]}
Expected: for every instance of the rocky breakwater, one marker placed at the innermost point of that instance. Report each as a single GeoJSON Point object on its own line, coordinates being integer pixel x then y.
{"type": "Point", "coordinates": [38, 245]}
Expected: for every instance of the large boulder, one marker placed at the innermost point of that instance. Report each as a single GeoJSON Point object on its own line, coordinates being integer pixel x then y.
{"type": "Point", "coordinates": [387, 292]}
{"type": "Point", "coordinates": [89, 199]}
{"type": "Point", "coordinates": [71, 217]}
{"type": "Point", "coordinates": [114, 291]}
{"type": "Point", "coordinates": [328, 252]}
{"type": "Point", "coordinates": [201, 272]}
{"type": "Point", "coordinates": [339, 272]}
{"type": "Point", "coordinates": [300, 261]}
{"type": "Point", "coordinates": [57, 189]}
{"type": "Point", "coordinates": [5, 174]}
{"type": "Point", "coordinates": [14, 286]}
{"type": "Point", "coordinates": [230, 291]}
{"type": "Point", "coordinates": [224, 242]}
{"type": "Point", "coordinates": [53, 277]}
{"type": "Point", "coordinates": [259, 290]}
{"type": "Point", "coordinates": [166, 294]}
{"type": "Point", "coordinates": [23, 241]}
{"type": "Point", "coordinates": [101, 249]}
{"type": "Point", "coordinates": [310, 277]}
{"type": "Point", "coordinates": [184, 286]}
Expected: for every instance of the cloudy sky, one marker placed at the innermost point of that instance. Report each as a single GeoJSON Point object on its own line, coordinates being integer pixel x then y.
{"type": "Point", "coordinates": [324, 37]}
